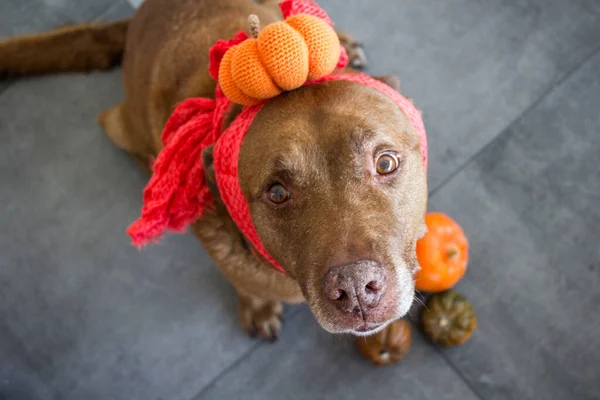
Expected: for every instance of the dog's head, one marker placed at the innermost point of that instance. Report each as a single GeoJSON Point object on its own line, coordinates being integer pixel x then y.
{"type": "Point", "coordinates": [337, 192]}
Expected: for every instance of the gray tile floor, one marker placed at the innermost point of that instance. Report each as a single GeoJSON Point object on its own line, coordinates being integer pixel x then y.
{"type": "Point", "coordinates": [511, 96]}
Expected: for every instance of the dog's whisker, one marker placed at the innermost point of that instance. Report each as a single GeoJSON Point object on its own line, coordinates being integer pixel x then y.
{"type": "Point", "coordinates": [421, 302]}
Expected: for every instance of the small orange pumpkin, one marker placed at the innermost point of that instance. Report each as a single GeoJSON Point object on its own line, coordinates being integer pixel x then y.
{"type": "Point", "coordinates": [282, 56]}
{"type": "Point", "coordinates": [443, 254]}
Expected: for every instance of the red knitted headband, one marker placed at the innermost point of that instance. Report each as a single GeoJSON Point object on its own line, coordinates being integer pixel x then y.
{"type": "Point", "coordinates": [177, 193]}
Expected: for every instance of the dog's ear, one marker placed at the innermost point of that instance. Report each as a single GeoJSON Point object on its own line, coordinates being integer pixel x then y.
{"type": "Point", "coordinates": [209, 171]}
{"type": "Point", "coordinates": [390, 80]}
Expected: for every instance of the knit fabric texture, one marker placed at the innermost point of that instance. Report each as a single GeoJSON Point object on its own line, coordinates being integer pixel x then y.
{"type": "Point", "coordinates": [177, 193]}
{"type": "Point", "coordinates": [227, 83]}
{"type": "Point", "coordinates": [295, 7]}
{"type": "Point", "coordinates": [322, 42]}
{"type": "Point", "coordinates": [284, 54]}
{"type": "Point", "coordinates": [249, 74]}
{"type": "Point", "coordinates": [281, 56]}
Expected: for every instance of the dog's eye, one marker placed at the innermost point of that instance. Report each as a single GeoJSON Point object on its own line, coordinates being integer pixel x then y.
{"type": "Point", "coordinates": [386, 164]}
{"type": "Point", "coordinates": [277, 194]}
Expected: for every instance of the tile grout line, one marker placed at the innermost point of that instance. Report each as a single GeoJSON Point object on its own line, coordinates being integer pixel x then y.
{"type": "Point", "coordinates": [260, 344]}
{"type": "Point", "coordinates": [226, 370]}
{"type": "Point", "coordinates": [5, 85]}
{"type": "Point", "coordinates": [458, 372]}
{"type": "Point", "coordinates": [239, 360]}
{"type": "Point", "coordinates": [475, 155]}
{"type": "Point", "coordinates": [503, 131]}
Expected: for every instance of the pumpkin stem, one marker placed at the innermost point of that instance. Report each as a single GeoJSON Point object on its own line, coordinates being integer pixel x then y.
{"type": "Point", "coordinates": [444, 322]}
{"type": "Point", "coordinates": [254, 24]}
{"type": "Point", "coordinates": [452, 252]}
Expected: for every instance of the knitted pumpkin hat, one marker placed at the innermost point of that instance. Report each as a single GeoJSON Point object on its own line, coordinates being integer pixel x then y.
{"type": "Point", "coordinates": [301, 50]}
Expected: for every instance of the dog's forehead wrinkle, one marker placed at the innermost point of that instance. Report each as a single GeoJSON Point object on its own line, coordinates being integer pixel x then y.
{"type": "Point", "coordinates": [386, 119]}
{"type": "Point", "coordinates": [299, 159]}
{"type": "Point", "coordinates": [362, 135]}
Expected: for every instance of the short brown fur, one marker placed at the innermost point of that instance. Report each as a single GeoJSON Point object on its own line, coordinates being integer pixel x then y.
{"type": "Point", "coordinates": [341, 213]}
{"type": "Point", "coordinates": [79, 48]}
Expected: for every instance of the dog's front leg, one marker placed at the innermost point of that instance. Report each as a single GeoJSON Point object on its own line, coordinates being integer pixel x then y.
{"type": "Point", "coordinates": [261, 289]}
{"type": "Point", "coordinates": [261, 317]}
{"type": "Point", "coordinates": [357, 58]}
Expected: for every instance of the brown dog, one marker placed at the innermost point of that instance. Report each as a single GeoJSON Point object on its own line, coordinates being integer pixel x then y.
{"type": "Point", "coordinates": [347, 235]}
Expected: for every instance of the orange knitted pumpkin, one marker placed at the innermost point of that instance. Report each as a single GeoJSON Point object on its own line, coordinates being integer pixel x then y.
{"type": "Point", "coordinates": [282, 56]}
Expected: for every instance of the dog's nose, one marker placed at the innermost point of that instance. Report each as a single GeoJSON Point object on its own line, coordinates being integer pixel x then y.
{"type": "Point", "coordinates": [355, 288]}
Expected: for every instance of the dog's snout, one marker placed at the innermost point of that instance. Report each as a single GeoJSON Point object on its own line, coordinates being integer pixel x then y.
{"type": "Point", "coordinates": [355, 288]}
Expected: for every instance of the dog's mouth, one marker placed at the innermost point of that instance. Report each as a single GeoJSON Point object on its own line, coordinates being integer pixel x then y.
{"type": "Point", "coordinates": [367, 329]}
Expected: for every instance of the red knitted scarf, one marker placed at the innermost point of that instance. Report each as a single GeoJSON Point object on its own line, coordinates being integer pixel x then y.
{"type": "Point", "coordinates": [177, 194]}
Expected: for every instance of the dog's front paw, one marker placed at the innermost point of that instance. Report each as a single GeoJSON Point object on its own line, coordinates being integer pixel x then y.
{"type": "Point", "coordinates": [357, 58]}
{"type": "Point", "coordinates": [260, 317]}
